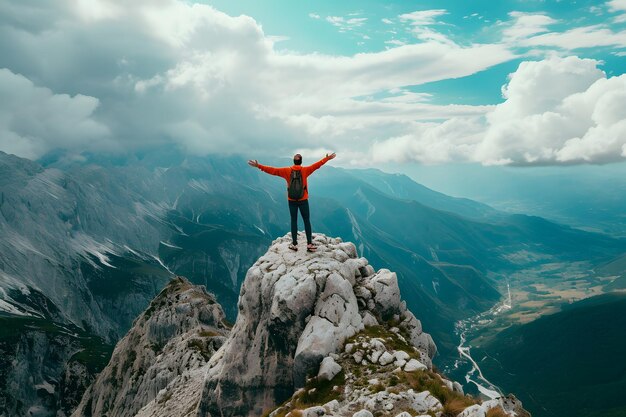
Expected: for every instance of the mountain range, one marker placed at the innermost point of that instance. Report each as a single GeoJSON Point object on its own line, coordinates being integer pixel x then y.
{"type": "Point", "coordinates": [86, 243]}
{"type": "Point", "coordinates": [317, 334]}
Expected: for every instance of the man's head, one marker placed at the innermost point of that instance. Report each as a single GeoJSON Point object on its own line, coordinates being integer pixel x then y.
{"type": "Point", "coordinates": [297, 159]}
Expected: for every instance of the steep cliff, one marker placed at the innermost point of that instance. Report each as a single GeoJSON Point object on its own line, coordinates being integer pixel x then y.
{"type": "Point", "coordinates": [170, 342]}
{"type": "Point", "coordinates": [316, 334]}
{"type": "Point", "coordinates": [325, 334]}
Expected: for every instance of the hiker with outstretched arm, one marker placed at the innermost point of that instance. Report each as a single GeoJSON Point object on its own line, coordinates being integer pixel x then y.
{"type": "Point", "coordinates": [297, 193]}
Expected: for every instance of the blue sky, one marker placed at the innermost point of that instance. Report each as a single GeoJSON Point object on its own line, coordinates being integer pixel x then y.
{"type": "Point", "coordinates": [307, 27]}
{"type": "Point", "coordinates": [521, 83]}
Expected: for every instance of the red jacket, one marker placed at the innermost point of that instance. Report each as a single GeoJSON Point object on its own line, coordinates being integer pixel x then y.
{"type": "Point", "coordinates": [286, 172]}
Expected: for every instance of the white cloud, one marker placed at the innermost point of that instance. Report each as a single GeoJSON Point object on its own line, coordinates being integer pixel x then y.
{"type": "Point", "coordinates": [210, 82]}
{"type": "Point", "coordinates": [423, 17]}
{"type": "Point", "coordinates": [192, 75]}
{"type": "Point", "coordinates": [346, 24]}
{"type": "Point", "coordinates": [396, 42]}
{"type": "Point", "coordinates": [617, 5]}
{"type": "Point", "coordinates": [34, 120]}
{"type": "Point", "coordinates": [420, 22]}
{"type": "Point", "coordinates": [526, 24]}
{"type": "Point", "coordinates": [314, 16]}
{"type": "Point", "coordinates": [557, 111]}
{"type": "Point", "coordinates": [578, 38]}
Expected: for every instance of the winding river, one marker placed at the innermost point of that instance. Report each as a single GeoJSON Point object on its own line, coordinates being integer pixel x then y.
{"type": "Point", "coordinates": [466, 363]}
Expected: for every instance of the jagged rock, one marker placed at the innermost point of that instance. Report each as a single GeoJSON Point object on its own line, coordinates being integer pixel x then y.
{"type": "Point", "coordinates": [369, 319]}
{"type": "Point", "coordinates": [386, 358]}
{"type": "Point", "coordinates": [404, 414]}
{"type": "Point", "coordinates": [414, 365]}
{"type": "Point", "coordinates": [374, 356]}
{"type": "Point", "coordinates": [384, 286]}
{"type": "Point", "coordinates": [457, 387]}
{"type": "Point", "coordinates": [169, 344]}
{"type": "Point", "coordinates": [314, 412]}
{"type": "Point", "coordinates": [418, 338]}
{"type": "Point", "coordinates": [363, 413]}
{"type": "Point", "coordinates": [473, 411]}
{"type": "Point", "coordinates": [424, 402]}
{"type": "Point", "coordinates": [401, 358]}
{"type": "Point", "coordinates": [336, 317]}
{"type": "Point", "coordinates": [328, 369]}
{"type": "Point", "coordinates": [296, 308]}
{"type": "Point", "coordinates": [509, 404]}
{"type": "Point", "coordinates": [331, 406]}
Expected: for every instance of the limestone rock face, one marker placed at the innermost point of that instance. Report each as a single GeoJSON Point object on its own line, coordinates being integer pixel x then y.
{"type": "Point", "coordinates": [295, 309]}
{"type": "Point", "coordinates": [318, 334]}
{"type": "Point", "coordinates": [167, 347]}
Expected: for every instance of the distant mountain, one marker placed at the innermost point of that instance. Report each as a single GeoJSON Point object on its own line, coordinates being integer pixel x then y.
{"type": "Point", "coordinates": [591, 197]}
{"type": "Point", "coordinates": [97, 239]}
{"type": "Point", "coordinates": [567, 364]}
{"type": "Point", "coordinates": [45, 365]}
{"type": "Point", "coordinates": [403, 187]}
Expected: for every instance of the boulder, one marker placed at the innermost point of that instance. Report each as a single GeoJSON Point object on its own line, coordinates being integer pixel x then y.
{"type": "Point", "coordinates": [414, 365]}
{"type": "Point", "coordinates": [328, 369]}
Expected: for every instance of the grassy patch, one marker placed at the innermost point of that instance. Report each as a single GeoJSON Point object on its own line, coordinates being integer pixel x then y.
{"type": "Point", "coordinates": [429, 381]}
{"type": "Point", "coordinates": [320, 392]}
{"type": "Point", "coordinates": [454, 406]}
{"type": "Point", "coordinates": [390, 339]}
{"type": "Point", "coordinates": [496, 412]}
{"type": "Point", "coordinates": [200, 347]}
{"type": "Point", "coordinates": [207, 333]}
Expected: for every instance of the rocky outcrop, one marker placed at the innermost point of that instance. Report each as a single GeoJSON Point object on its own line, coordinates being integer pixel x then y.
{"type": "Point", "coordinates": [318, 334]}
{"type": "Point", "coordinates": [380, 374]}
{"type": "Point", "coordinates": [295, 309]}
{"type": "Point", "coordinates": [168, 344]}
{"type": "Point", "coordinates": [45, 366]}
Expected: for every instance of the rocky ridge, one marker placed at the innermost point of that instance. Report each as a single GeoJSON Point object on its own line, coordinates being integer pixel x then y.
{"type": "Point", "coordinates": [317, 334]}
{"type": "Point", "coordinates": [296, 308]}
{"type": "Point", "coordinates": [168, 344]}
{"type": "Point", "coordinates": [325, 334]}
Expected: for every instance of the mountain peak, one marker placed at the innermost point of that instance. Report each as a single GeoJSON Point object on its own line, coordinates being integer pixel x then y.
{"type": "Point", "coordinates": [296, 309]}
{"type": "Point", "coordinates": [317, 334]}
{"type": "Point", "coordinates": [169, 343]}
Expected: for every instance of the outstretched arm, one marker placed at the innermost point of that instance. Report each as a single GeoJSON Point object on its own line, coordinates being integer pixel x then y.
{"type": "Point", "coordinates": [280, 172]}
{"type": "Point", "coordinates": [311, 168]}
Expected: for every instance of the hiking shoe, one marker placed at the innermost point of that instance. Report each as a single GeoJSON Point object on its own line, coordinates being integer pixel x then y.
{"type": "Point", "coordinates": [293, 247]}
{"type": "Point", "coordinates": [311, 247]}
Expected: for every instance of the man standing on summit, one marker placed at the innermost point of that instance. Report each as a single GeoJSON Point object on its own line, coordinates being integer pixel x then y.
{"type": "Point", "coordinates": [297, 193]}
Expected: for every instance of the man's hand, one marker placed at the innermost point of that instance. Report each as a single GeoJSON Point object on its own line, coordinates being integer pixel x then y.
{"type": "Point", "coordinates": [331, 155]}
{"type": "Point", "coordinates": [253, 163]}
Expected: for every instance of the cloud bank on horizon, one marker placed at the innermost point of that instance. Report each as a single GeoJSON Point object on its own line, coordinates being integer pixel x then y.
{"type": "Point", "coordinates": [112, 76]}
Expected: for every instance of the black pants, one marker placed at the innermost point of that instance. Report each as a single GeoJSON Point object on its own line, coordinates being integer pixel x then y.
{"type": "Point", "coordinates": [303, 205]}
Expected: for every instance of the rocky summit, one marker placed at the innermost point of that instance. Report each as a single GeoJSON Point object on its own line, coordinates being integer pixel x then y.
{"type": "Point", "coordinates": [295, 309]}
{"type": "Point", "coordinates": [166, 348]}
{"type": "Point", "coordinates": [317, 334]}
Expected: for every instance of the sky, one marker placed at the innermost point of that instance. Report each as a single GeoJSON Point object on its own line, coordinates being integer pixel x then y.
{"type": "Point", "coordinates": [522, 83]}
